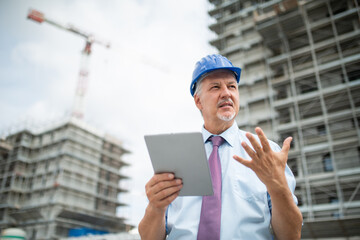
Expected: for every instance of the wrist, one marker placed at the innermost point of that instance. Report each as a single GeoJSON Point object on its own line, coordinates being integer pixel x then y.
{"type": "Point", "coordinates": [155, 211]}
{"type": "Point", "coordinates": [279, 187]}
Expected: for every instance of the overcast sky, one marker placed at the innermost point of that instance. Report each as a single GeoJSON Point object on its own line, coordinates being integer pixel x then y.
{"type": "Point", "coordinates": [139, 86]}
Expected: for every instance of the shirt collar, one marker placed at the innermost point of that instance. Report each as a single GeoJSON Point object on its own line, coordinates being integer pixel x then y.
{"type": "Point", "coordinates": [229, 134]}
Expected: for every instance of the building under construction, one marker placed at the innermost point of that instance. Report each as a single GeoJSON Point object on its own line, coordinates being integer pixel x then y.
{"type": "Point", "coordinates": [300, 64]}
{"type": "Point", "coordinates": [61, 181]}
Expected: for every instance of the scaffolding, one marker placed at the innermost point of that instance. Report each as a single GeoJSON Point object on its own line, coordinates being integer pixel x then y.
{"type": "Point", "coordinates": [60, 178]}
{"type": "Point", "coordinates": [301, 78]}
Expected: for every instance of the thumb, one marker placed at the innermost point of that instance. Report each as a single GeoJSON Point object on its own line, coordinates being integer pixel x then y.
{"type": "Point", "coordinates": [243, 161]}
{"type": "Point", "coordinates": [286, 145]}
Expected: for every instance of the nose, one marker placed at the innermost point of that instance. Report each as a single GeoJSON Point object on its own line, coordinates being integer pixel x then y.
{"type": "Point", "coordinates": [225, 93]}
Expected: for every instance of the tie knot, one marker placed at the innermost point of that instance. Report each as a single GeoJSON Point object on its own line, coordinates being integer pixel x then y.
{"type": "Point", "coordinates": [217, 140]}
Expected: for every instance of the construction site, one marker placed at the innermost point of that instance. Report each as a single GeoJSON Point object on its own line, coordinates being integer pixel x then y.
{"type": "Point", "coordinates": [300, 64]}
{"type": "Point", "coordinates": [300, 77]}
{"type": "Point", "coordinates": [61, 181]}
{"type": "Point", "coordinates": [64, 179]}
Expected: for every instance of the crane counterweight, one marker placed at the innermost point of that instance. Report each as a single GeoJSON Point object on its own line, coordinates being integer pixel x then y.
{"type": "Point", "coordinates": [36, 16]}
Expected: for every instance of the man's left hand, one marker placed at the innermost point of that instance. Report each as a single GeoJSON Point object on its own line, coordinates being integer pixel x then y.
{"type": "Point", "coordinates": [268, 165]}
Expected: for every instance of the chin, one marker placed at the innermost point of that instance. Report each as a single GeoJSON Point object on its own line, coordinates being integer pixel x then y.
{"type": "Point", "coordinates": [226, 117]}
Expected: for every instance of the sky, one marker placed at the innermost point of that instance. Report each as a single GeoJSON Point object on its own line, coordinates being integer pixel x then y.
{"type": "Point", "coordinates": [138, 86]}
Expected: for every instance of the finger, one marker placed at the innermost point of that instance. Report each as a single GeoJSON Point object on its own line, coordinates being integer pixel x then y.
{"type": "Point", "coordinates": [254, 143]}
{"type": "Point", "coordinates": [263, 139]}
{"type": "Point", "coordinates": [169, 199]}
{"type": "Point", "coordinates": [158, 199]}
{"type": "Point", "coordinates": [243, 161]}
{"type": "Point", "coordinates": [164, 202]}
{"type": "Point", "coordinates": [159, 186]}
{"type": "Point", "coordinates": [164, 185]}
{"type": "Point", "coordinates": [249, 150]}
{"type": "Point", "coordinates": [286, 145]}
{"type": "Point", "coordinates": [158, 178]}
{"type": "Point", "coordinates": [165, 193]}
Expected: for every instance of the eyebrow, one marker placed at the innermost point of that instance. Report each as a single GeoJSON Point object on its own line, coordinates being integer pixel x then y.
{"type": "Point", "coordinates": [216, 83]}
{"type": "Point", "coordinates": [231, 82]}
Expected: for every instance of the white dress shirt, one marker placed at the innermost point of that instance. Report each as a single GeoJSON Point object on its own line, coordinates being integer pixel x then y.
{"type": "Point", "coordinates": [246, 205]}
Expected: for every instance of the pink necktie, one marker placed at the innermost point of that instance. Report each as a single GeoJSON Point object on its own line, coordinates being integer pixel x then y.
{"type": "Point", "coordinates": [210, 217]}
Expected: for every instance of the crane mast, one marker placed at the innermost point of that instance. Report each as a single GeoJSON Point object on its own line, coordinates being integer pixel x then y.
{"type": "Point", "coordinates": [83, 78]}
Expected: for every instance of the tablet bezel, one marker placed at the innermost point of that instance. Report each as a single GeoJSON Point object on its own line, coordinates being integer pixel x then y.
{"type": "Point", "coordinates": [184, 155]}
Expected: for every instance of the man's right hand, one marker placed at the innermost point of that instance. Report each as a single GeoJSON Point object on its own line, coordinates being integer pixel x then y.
{"type": "Point", "coordinates": [161, 190]}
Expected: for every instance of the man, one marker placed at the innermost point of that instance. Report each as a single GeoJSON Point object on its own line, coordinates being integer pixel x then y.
{"type": "Point", "coordinates": [255, 197]}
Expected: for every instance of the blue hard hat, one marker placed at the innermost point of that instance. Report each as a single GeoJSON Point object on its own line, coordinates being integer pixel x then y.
{"type": "Point", "coordinates": [211, 63]}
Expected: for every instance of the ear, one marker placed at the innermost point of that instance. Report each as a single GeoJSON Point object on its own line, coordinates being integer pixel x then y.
{"type": "Point", "coordinates": [197, 102]}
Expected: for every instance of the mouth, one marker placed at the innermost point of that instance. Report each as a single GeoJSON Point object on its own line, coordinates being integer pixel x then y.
{"type": "Point", "coordinates": [225, 104]}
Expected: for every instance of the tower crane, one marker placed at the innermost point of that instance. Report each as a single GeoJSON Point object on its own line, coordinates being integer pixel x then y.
{"type": "Point", "coordinates": [83, 78]}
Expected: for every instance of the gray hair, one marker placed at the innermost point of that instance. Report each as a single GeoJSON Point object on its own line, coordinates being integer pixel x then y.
{"type": "Point", "coordinates": [198, 86]}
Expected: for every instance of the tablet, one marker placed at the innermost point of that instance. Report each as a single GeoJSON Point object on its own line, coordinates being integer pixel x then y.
{"type": "Point", "coordinates": [184, 155]}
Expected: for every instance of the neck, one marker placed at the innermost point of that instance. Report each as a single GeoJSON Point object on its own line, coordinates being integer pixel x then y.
{"type": "Point", "coordinates": [218, 127]}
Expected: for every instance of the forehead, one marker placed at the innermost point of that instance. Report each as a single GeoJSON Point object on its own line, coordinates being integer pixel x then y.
{"type": "Point", "coordinates": [221, 74]}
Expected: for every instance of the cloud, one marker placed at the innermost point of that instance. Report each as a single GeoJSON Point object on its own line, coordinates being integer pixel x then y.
{"type": "Point", "coordinates": [138, 86]}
